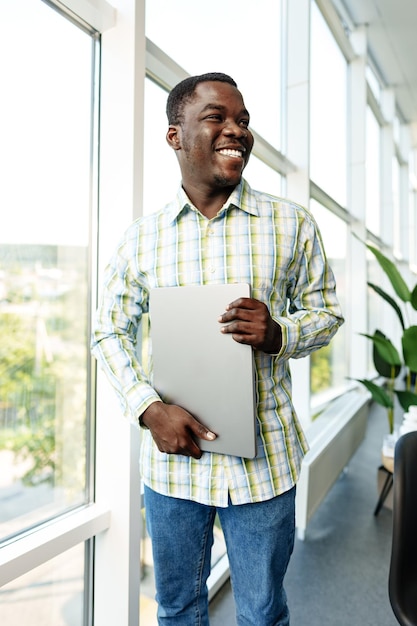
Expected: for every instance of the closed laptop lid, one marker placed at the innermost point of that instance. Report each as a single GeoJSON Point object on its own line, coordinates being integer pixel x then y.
{"type": "Point", "coordinates": [201, 369]}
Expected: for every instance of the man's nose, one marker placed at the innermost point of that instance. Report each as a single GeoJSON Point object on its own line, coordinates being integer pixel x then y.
{"type": "Point", "coordinates": [233, 128]}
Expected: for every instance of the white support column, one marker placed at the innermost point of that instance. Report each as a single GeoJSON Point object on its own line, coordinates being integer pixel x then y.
{"type": "Point", "coordinates": [117, 551]}
{"type": "Point", "coordinates": [298, 152]}
{"type": "Point", "coordinates": [387, 155]}
{"type": "Point", "coordinates": [356, 316]}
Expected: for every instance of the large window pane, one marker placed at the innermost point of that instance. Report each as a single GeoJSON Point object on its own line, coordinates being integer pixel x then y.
{"type": "Point", "coordinates": [45, 160]}
{"type": "Point", "coordinates": [262, 177]}
{"type": "Point", "coordinates": [328, 146]}
{"type": "Point", "coordinates": [396, 216]}
{"type": "Point", "coordinates": [234, 37]}
{"type": "Point", "coordinates": [412, 203]}
{"type": "Point", "coordinates": [159, 157]}
{"type": "Point", "coordinates": [329, 365]}
{"type": "Point", "coordinates": [49, 595]}
{"type": "Point", "coordinates": [373, 201]}
{"type": "Point", "coordinates": [373, 83]}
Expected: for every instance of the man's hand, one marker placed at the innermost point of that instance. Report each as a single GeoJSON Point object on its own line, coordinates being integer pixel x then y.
{"type": "Point", "coordinates": [249, 321]}
{"type": "Point", "coordinates": [174, 430]}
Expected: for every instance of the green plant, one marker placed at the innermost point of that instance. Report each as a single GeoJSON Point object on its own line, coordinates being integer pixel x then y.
{"type": "Point", "coordinates": [388, 361]}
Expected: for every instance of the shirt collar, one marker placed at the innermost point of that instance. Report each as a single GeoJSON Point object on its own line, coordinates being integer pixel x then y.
{"type": "Point", "coordinates": [241, 197]}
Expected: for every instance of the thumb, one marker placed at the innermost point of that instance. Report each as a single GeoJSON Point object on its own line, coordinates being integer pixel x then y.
{"type": "Point", "coordinates": [201, 431]}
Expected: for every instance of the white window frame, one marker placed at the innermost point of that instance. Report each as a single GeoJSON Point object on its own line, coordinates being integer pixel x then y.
{"type": "Point", "coordinates": [117, 489]}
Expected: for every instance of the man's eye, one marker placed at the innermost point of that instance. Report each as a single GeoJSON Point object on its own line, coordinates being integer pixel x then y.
{"type": "Point", "coordinates": [214, 117]}
{"type": "Point", "coordinates": [244, 123]}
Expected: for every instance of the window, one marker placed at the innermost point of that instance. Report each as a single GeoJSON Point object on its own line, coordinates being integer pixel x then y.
{"type": "Point", "coordinates": [329, 365]}
{"type": "Point", "coordinates": [49, 595]}
{"type": "Point", "coordinates": [160, 162]}
{"type": "Point", "coordinates": [396, 207]}
{"type": "Point", "coordinates": [413, 228]}
{"type": "Point", "coordinates": [328, 144]}
{"type": "Point", "coordinates": [373, 83]}
{"type": "Point", "coordinates": [45, 155]}
{"type": "Point", "coordinates": [412, 202]}
{"type": "Point", "coordinates": [373, 200]}
{"type": "Point", "coordinates": [262, 177]}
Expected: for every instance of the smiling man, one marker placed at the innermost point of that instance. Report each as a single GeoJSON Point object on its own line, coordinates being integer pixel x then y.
{"type": "Point", "coordinates": [219, 230]}
{"type": "Point", "coordinates": [213, 142]}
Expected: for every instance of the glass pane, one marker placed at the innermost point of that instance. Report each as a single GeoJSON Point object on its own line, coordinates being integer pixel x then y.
{"type": "Point", "coordinates": [328, 147]}
{"type": "Point", "coordinates": [413, 228]}
{"type": "Point", "coordinates": [329, 365]}
{"type": "Point", "coordinates": [373, 82]}
{"type": "Point", "coordinates": [45, 153]}
{"type": "Point", "coordinates": [373, 201]}
{"type": "Point", "coordinates": [262, 177]}
{"type": "Point", "coordinates": [49, 595]}
{"type": "Point", "coordinates": [214, 38]}
{"type": "Point", "coordinates": [396, 216]}
{"type": "Point", "coordinates": [159, 157]}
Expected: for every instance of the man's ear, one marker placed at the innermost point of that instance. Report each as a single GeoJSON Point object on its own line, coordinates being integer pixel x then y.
{"type": "Point", "coordinates": [174, 137]}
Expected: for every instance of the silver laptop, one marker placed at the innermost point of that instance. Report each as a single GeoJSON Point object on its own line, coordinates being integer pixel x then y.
{"type": "Point", "coordinates": [201, 369]}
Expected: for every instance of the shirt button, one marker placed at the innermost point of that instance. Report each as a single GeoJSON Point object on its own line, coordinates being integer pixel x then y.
{"type": "Point", "coordinates": [211, 269]}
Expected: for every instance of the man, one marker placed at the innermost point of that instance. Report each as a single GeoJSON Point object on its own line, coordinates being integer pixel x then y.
{"type": "Point", "coordinates": [218, 230]}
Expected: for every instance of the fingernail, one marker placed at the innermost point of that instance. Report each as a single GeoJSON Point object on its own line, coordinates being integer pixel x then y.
{"type": "Point", "coordinates": [211, 435]}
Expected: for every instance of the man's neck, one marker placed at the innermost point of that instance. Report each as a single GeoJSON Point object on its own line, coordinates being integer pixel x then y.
{"type": "Point", "coordinates": [208, 203]}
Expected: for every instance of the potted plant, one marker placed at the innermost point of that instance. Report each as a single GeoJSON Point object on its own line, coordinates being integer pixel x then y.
{"type": "Point", "coordinates": [388, 361]}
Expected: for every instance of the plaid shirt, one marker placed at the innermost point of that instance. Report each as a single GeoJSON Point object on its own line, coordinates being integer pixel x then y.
{"type": "Point", "coordinates": [270, 243]}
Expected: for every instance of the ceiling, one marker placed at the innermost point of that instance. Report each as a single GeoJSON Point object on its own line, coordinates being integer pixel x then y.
{"type": "Point", "coordinates": [392, 41]}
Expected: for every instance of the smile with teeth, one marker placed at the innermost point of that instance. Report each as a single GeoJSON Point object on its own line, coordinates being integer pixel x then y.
{"type": "Point", "coordinates": [231, 153]}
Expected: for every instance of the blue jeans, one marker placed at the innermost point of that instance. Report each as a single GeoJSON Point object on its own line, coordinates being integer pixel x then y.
{"type": "Point", "coordinates": [259, 539]}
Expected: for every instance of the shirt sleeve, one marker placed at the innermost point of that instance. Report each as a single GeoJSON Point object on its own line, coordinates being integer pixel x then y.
{"type": "Point", "coordinates": [314, 313]}
{"type": "Point", "coordinates": [115, 343]}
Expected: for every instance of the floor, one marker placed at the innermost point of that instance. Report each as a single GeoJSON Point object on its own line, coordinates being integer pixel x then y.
{"type": "Point", "coordinates": [338, 575]}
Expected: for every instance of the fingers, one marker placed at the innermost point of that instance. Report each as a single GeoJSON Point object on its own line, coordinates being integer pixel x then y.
{"type": "Point", "coordinates": [184, 443]}
{"type": "Point", "coordinates": [249, 322]}
{"type": "Point", "coordinates": [242, 308]}
{"type": "Point", "coordinates": [174, 430]}
{"type": "Point", "coordinates": [246, 318]}
{"type": "Point", "coordinates": [177, 443]}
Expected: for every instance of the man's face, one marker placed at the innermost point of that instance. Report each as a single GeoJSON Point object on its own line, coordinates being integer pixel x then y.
{"type": "Point", "coordinates": [213, 142]}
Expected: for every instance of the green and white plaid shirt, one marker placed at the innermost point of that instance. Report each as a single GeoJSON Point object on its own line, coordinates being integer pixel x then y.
{"type": "Point", "coordinates": [270, 243]}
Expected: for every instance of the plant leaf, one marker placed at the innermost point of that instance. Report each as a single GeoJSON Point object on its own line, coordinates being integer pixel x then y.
{"type": "Point", "coordinates": [414, 298]}
{"type": "Point", "coordinates": [406, 398]}
{"type": "Point", "coordinates": [390, 269]}
{"type": "Point", "coordinates": [378, 393]}
{"type": "Point", "coordinates": [386, 348]}
{"type": "Point", "coordinates": [383, 368]}
{"type": "Point", "coordinates": [409, 341]}
{"type": "Point", "coordinates": [390, 301]}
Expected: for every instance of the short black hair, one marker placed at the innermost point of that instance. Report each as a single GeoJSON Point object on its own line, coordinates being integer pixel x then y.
{"type": "Point", "coordinates": [183, 93]}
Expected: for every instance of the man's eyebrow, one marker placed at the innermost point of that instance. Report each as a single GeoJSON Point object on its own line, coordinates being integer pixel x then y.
{"type": "Point", "coordinates": [220, 107]}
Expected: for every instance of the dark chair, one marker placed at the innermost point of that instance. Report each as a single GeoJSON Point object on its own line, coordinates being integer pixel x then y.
{"type": "Point", "coordinates": [403, 567]}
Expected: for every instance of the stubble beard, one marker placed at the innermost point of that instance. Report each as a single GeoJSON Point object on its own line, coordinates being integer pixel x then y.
{"type": "Point", "coordinates": [224, 181]}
